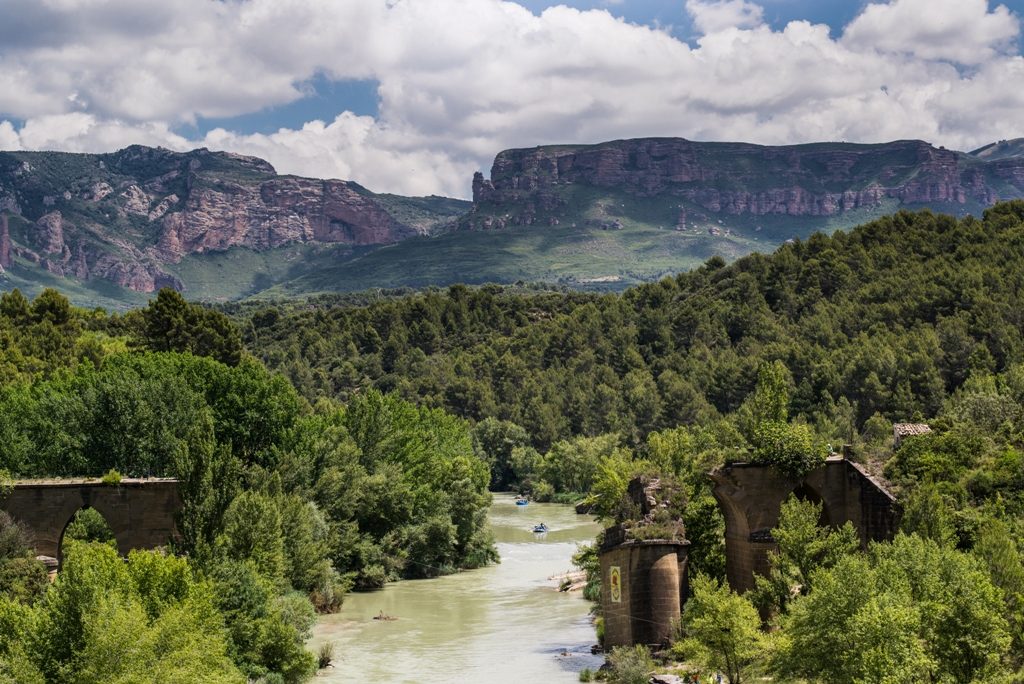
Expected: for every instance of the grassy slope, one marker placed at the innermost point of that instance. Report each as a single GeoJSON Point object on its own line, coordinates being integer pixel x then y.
{"type": "Point", "coordinates": [428, 215]}
{"type": "Point", "coordinates": [1004, 149]}
{"type": "Point", "coordinates": [240, 272]}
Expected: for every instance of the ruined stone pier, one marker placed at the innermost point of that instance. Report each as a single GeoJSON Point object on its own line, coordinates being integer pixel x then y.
{"type": "Point", "coordinates": [643, 567]}
{"type": "Point", "coordinates": [642, 590]}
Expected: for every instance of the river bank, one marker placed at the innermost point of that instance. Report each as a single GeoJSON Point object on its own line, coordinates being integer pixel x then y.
{"type": "Point", "coordinates": [504, 623]}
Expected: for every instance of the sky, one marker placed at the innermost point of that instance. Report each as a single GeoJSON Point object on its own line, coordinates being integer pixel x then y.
{"type": "Point", "coordinates": [413, 96]}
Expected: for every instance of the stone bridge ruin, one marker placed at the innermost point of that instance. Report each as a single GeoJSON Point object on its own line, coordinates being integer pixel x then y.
{"type": "Point", "coordinates": [644, 560]}
{"type": "Point", "coordinates": [141, 513]}
{"type": "Point", "coordinates": [750, 497]}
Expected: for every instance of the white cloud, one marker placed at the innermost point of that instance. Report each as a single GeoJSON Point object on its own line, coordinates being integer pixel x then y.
{"type": "Point", "coordinates": [711, 16]}
{"type": "Point", "coordinates": [962, 31]}
{"type": "Point", "coordinates": [81, 132]}
{"type": "Point", "coordinates": [352, 147]}
{"type": "Point", "coordinates": [9, 139]}
{"type": "Point", "coordinates": [460, 80]}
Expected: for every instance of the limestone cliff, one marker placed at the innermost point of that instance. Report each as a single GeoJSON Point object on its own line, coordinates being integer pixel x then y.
{"type": "Point", "coordinates": [737, 179]}
{"type": "Point", "coordinates": [273, 213]}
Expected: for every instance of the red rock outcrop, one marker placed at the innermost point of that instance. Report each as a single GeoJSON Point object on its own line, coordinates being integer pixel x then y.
{"type": "Point", "coordinates": [276, 212]}
{"type": "Point", "coordinates": [49, 233]}
{"type": "Point", "coordinates": [123, 216]}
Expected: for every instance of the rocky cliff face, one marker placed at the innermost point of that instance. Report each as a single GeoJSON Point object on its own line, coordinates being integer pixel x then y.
{"type": "Point", "coordinates": [129, 216]}
{"type": "Point", "coordinates": [821, 180]}
{"type": "Point", "coordinates": [274, 213]}
{"type": "Point", "coordinates": [5, 243]}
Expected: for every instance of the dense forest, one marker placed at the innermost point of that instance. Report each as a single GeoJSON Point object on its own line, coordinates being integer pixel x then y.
{"type": "Point", "coordinates": [890, 318]}
{"type": "Point", "coordinates": [331, 444]}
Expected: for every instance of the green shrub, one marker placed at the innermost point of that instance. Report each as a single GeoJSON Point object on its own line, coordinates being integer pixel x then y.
{"type": "Point", "coordinates": [23, 579]}
{"type": "Point", "coordinates": [325, 655]}
{"type": "Point", "coordinates": [630, 665]}
{"type": "Point", "coordinates": [787, 446]}
{"type": "Point", "coordinates": [112, 477]}
{"type": "Point", "coordinates": [543, 492]}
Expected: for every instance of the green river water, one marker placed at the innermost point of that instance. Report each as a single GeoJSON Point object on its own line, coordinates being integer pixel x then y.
{"type": "Point", "coordinates": [506, 623]}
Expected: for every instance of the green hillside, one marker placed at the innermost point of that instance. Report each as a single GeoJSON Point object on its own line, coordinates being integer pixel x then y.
{"type": "Point", "coordinates": [891, 318]}
{"type": "Point", "coordinates": [622, 240]}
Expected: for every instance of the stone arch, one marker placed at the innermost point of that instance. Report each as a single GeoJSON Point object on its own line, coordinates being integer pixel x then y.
{"type": "Point", "coordinates": [750, 497]}
{"type": "Point", "coordinates": [141, 513]}
{"type": "Point", "coordinates": [49, 537]}
{"type": "Point", "coordinates": [805, 492]}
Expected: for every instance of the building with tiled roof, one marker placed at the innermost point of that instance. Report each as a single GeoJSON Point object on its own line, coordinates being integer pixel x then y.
{"type": "Point", "coordinates": [903, 430]}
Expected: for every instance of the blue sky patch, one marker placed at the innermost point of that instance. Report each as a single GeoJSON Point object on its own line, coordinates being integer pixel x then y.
{"type": "Point", "coordinates": [326, 100]}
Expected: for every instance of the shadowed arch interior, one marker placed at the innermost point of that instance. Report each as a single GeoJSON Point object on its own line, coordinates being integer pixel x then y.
{"type": "Point", "coordinates": [804, 492]}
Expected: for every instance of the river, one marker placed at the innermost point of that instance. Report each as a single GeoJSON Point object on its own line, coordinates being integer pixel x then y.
{"type": "Point", "coordinates": [501, 624]}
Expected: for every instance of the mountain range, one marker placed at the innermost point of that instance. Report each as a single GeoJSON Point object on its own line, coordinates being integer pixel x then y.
{"type": "Point", "coordinates": [109, 229]}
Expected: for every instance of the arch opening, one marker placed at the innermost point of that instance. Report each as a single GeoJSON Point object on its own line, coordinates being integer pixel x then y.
{"type": "Point", "coordinates": [86, 525]}
{"type": "Point", "coordinates": [804, 492]}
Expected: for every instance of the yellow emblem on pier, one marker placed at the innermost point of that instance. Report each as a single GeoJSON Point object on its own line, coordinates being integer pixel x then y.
{"type": "Point", "coordinates": [615, 582]}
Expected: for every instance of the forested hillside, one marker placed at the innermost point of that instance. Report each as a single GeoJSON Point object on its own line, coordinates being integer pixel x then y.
{"type": "Point", "coordinates": [889, 318]}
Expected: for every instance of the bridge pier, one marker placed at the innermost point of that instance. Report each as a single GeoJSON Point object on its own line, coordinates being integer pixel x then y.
{"type": "Point", "coordinates": [643, 566]}
{"type": "Point", "coordinates": [643, 585]}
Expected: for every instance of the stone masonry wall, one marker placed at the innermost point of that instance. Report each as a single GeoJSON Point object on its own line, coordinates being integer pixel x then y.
{"type": "Point", "coordinates": [653, 584]}
{"type": "Point", "coordinates": [140, 513]}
